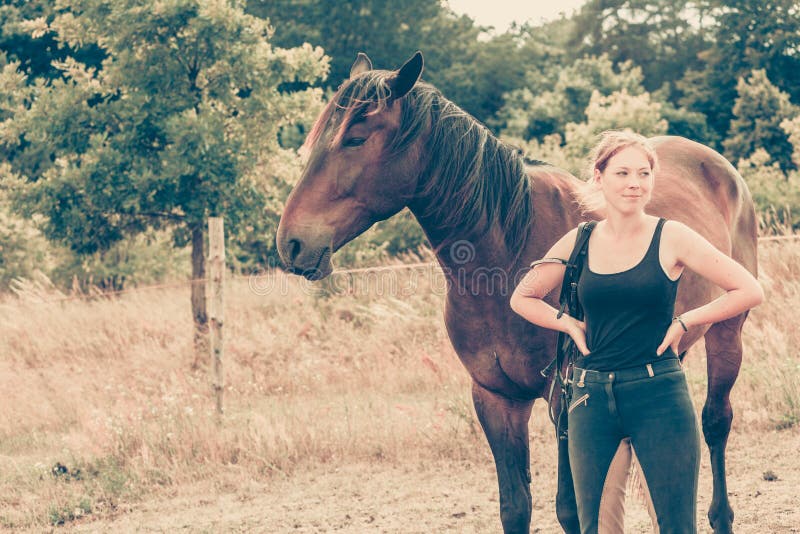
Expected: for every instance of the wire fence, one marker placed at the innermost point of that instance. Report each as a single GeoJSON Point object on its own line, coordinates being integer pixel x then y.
{"type": "Point", "coordinates": [275, 272]}
{"type": "Point", "coordinates": [779, 238]}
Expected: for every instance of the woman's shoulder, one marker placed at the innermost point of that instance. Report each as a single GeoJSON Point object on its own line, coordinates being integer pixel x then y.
{"type": "Point", "coordinates": [675, 229]}
{"type": "Point", "coordinates": [677, 238]}
{"type": "Point", "coordinates": [563, 247]}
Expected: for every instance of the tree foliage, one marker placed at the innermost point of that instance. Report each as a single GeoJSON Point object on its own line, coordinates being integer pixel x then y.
{"type": "Point", "coordinates": [619, 110]}
{"type": "Point", "coordinates": [746, 35]}
{"type": "Point", "coordinates": [23, 250]}
{"type": "Point", "coordinates": [533, 115]}
{"type": "Point", "coordinates": [36, 53]}
{"type": "Point", "coordinates": [386, 30]}
{"type": "Point", "coordinates": [776, 194]}
{"type": "Point", "coordinates": [659, 36]}
{"type": "Point", "coordinates": [469, 69]}
{"type": "Point", "coordinates": [759, 112]}
{"type": "Point", "coordinates": [172, 128]}
{"type": "Point", "coordinates": [792, 129]}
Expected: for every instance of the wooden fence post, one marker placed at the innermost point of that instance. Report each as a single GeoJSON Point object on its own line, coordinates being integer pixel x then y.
{"type": "Point", "coordinates": [216, 257]}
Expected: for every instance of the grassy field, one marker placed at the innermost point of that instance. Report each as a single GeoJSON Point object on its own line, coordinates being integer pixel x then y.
{"type": "Point", "coordinates": [101, 409]}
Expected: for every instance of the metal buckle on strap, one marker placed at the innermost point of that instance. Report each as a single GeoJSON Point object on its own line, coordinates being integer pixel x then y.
{"type": "Point", "coordinates": [650, 370]}
{"type": "Point", "coordinates": [548, 260]}
{"type": "Point", "coordinates": [580, 383]}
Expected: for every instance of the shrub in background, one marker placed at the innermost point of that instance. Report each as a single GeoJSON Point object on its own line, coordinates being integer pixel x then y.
{"type": "Point", "coordinates": [759, 112]}
{"type": "Point", "coordinates": [23, 249]}
{"type": "Point", "coordinates": [775, 193]}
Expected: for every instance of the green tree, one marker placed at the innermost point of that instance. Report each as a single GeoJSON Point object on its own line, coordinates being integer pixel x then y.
{"type": "Point", "coordinates": [23, 250]}
{"type": "Point", "coordinates": [684, 122]}
{"type": "Point", "coordinates": [36, 54]}
{"type": "Point", "coordinates": [616, 111]}
{"type": "Point", "coordinates": [792, 129]}
{"type": "Point", "coordinates": [174, 127]}
{"type": "Point", "coordinates": [469, 69]}
{"type": "Point", "coordinates": [479, 78]}
{"type": "Point", "coordinates": [776, 194]}
{"type": "Point", "coordinates": [659, 36]}
{"type": "Point", "coordinates": [531, 115]}
{"type": "Point", "coordinates": [388, 31]}
{"type": "Point", "coordinates": [619, 110]}
{"type": "Point", "coordinates": [745, 35]}
{"type": "Point", "coordinates": [758, 113]}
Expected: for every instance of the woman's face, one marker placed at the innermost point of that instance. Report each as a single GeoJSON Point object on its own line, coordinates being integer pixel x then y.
{"type": "Point", "coordinates": [627, 181]}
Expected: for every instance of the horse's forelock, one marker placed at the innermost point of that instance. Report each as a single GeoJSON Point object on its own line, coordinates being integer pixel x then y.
{"type": "Point", "coordinates": [317, 130]}
{"type": "Point", "coordinates": [365, 95]}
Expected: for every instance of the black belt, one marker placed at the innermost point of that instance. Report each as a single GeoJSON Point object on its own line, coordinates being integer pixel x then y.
{"type": "Point", "coordinates": [658, 367]}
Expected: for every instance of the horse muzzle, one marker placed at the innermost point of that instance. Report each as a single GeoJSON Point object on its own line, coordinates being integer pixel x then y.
{"type": "Point", "coordinates": [306, 257]}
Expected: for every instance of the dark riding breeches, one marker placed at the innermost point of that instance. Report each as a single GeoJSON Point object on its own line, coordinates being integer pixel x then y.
{"type": "Point", "coordinates": [650, 405]}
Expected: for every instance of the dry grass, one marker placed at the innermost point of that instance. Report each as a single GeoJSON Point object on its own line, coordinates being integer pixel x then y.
{"type": "Point", "coordinates": [101, 408]}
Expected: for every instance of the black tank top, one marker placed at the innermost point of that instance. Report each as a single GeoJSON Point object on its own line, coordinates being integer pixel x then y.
{"type": "Point", "coordinates": [627, 313]}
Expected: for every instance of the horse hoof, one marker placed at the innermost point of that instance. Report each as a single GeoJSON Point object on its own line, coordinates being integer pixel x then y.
{"type": "Point", "coordinates": [721, 523]}
{"type": "Point", "coordinates": [719, 529]}
{"type": "Point", "coordinates": [570, 527]}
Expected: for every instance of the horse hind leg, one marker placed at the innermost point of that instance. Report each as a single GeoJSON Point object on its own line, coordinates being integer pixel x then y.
{"type": "Point", "coordinates": [566, 507]}
{"type": "Point", "coordinates": [505, 423]}
{"type": "Point", "coordinates": [724, 358]}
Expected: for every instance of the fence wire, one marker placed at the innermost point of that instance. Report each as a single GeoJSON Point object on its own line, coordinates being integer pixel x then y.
{"type": "Point", "coordinates": [188, 283]}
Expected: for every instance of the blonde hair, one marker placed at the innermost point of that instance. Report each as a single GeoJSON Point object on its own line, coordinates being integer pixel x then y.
{"type": "Point", "coordinates": [590, 195]}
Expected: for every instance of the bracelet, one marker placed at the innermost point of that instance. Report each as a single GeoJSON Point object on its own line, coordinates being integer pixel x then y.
{"type": "Point", "coordinates": [680, 320]}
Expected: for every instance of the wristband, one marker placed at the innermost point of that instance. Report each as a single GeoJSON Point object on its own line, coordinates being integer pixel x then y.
{"type": "Point", "coordinates": [680, 320]}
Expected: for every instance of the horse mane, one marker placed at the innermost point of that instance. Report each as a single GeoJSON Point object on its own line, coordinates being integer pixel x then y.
{"type": "Point", "coordinates": [485, 184]}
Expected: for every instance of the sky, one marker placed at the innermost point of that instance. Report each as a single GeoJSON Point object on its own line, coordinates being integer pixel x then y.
{"type": "Point", "coordinates": [500, 13]}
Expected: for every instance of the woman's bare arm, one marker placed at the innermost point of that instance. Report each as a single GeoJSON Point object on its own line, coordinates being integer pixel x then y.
{"type": "Point", "coordinates": [742, 290]}
{"type": "Point", "coordinates": [538, 283]}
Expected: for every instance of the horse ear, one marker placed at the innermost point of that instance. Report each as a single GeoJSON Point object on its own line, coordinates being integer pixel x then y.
{"type": "Point", "coordinates": [405, 78]}
{"type": "Point", "coordinates": [361, 65]}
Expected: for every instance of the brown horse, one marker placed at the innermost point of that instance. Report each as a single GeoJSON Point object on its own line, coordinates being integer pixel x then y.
{"type": "Point", "coordinates": [388, 140]}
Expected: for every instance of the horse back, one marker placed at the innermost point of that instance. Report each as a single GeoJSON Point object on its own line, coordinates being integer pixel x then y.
{"type": "Point", "coordinates": [555, 208]}
{"type": "Point", "coordinates": [698, 187]}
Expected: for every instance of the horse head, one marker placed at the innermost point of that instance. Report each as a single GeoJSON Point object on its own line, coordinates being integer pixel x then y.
{"type": "Point", "coordinates": [361, 167]}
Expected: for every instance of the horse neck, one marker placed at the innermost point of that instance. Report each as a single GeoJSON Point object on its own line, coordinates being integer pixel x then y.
{"type": "Point", "coordinates": [455, 233]}
{"type": "Point", "coordinates": [472, 188]}
{"type": "Point", "coordinates": [461, 250]}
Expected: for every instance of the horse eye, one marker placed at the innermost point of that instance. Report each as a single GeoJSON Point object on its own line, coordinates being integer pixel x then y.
{"type": "Point", "coordinates": [354, 141]}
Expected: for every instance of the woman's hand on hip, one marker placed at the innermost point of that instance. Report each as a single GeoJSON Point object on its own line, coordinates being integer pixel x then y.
{"type": "Point", "coordinates": [672, 338]}
{"type": "Point", "coordinates": [577, 331]}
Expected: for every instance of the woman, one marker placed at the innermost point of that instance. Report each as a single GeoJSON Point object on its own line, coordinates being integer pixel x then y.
{"type": "Point", "coordinates": [628, 388]}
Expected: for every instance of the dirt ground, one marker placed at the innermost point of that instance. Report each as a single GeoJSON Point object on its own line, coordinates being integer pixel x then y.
{"type": "Point", "coordinates": [441, 496]}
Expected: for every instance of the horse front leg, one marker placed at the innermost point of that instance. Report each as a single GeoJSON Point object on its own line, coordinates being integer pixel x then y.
{"type": "Point", "coordinates": [505, 423]}
{"type": "Point", "coordinates": [724, 358]}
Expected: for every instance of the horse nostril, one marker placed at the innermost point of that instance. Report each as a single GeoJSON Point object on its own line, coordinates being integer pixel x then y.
{"type": "Point", "coordinates": [294, 249]}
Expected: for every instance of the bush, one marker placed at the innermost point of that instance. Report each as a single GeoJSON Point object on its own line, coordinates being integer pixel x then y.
{"type": "Point", "coordinates": [533, 116]}
{"type": "Point", "coordinates": [759, 114]}
{"type": "Point", "coordinates": [143, 259]}
{"type": "Point", "coordinates": [23, 249]}
{"type": "Point", "coordinates": [397, 236]}
{"type": "Point", "coordinates": [616, 111]}
{"type": "Point", "coordinates": [776, 194]}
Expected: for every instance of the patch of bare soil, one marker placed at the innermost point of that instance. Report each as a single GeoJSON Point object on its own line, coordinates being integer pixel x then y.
{"type": "Point", "coordinates": [442, 496]}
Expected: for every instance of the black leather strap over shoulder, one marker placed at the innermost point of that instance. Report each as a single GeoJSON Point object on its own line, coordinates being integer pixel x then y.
{"type": "Point", "coordinates": [565, 348]}
{"type": "Point", "coordinates": [567, 299]}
